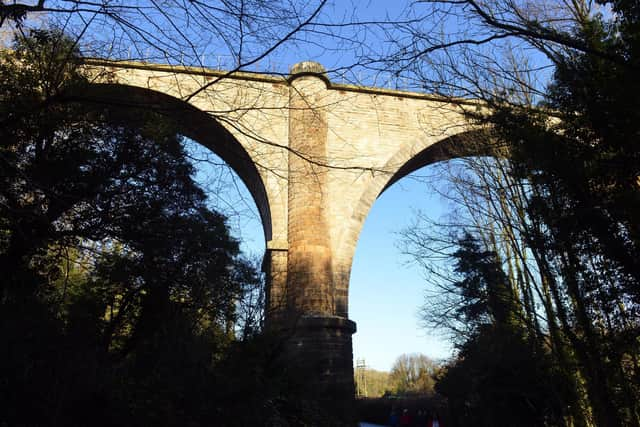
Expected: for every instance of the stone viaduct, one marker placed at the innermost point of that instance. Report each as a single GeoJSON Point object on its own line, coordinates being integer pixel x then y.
{"type": "Point", "coordinates": [315, 155]}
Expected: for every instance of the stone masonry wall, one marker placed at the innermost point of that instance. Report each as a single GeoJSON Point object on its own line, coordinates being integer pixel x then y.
{"type": "Point", "coordinates": [309, 276]}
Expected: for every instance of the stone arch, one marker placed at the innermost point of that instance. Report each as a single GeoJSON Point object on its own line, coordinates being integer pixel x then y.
{"type": "Point", "coordinates": [464, 144]}
{"type": "Point", "coordinates": [401, 164]}
{"type": "Point", "coordinates": [194, 124]}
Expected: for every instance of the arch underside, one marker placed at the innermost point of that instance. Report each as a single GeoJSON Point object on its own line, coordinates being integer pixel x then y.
{"type": "Point", "coordinates": [466, 144]}
{"type": "Point", "coordinates": [471, 143]}
{"type": "Point", "coordinates": [194, 124]}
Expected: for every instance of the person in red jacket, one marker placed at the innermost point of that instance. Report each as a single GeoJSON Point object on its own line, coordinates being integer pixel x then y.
{"type": "Point", "coordinates": [405, 418]}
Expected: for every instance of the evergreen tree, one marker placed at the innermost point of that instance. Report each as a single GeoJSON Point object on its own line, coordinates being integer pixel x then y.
{"type": "Point", "coordinates": [500, 378]}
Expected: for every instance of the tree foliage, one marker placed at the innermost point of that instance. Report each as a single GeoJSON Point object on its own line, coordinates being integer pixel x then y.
{"type": "Point", "coordinates": [412, 374]}
{"type": "Point", "coordinates": [501, 377]}
{"type": "Point", "coordinates": [121, 290]}
{"type": "Point", "coordinates": [370, 382]}
{"type": "Point", "coordinates": [556, 208]}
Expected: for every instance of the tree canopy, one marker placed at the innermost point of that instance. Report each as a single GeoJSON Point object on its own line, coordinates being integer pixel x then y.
{"type": "Point", "coordinates": [121, 289]}
{"type": "Point", "coordinates": [550, 240]}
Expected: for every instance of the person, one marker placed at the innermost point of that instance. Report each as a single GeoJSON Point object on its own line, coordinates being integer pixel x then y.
{"type": "Point", "coordinates": [434, 421]}
{"type": "Point", "coordinates": [405, 418]}
{"type": "Point", "coordinates": [421, 418]}
{"type": "Point", "coordinates": [394, 420]}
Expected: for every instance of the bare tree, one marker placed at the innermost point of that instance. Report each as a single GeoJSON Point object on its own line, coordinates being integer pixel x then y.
{"type": "Point", "coordinates": [503, 51]}
{"type": "Point", "coordinates": [413, 373]}
{"type": "Point", "coordinates": [233, 35]}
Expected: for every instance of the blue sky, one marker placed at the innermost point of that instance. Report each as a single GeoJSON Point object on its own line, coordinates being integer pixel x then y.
{"type": "Point", "coordinates": [386, 291]}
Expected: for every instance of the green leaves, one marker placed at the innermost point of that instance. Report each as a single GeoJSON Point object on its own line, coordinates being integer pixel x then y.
{"type": "Point", "coordinates": [120, 284]}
